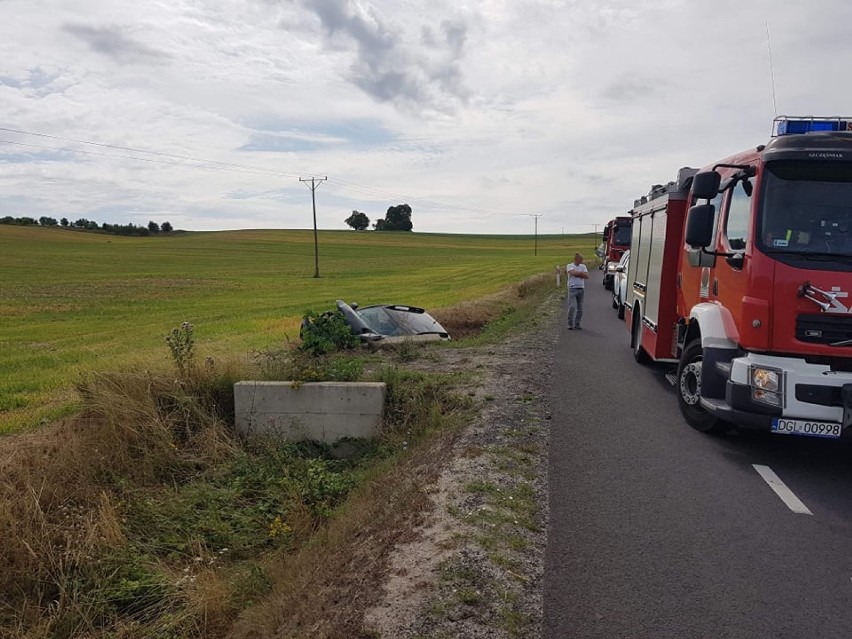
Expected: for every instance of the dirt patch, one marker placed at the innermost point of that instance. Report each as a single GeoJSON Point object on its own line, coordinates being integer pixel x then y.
{"type": "Point", "coordinates": [474, 567]}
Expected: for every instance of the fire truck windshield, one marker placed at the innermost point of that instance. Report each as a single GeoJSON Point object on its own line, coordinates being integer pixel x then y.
{"type": "Point", "coordinates": [622, 235]}
{"type": "Point", "coordinates": [807, 208]}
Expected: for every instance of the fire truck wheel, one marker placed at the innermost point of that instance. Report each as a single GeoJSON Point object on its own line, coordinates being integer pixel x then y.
{"type": "Point", "coordinates": [689, 390]}
{"type": "Point", "coordinates": [639, 353]}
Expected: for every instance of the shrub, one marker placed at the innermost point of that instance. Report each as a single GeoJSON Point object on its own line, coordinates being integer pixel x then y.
{"type": "Point", "coordinates": [325, 332]}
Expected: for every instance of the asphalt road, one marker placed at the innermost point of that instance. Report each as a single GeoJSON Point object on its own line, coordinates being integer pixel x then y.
{"type": "Point", "coordinates": [657, 530]}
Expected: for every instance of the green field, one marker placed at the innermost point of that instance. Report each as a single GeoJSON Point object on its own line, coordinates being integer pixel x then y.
{"type": "Point", "coordinates": [71, 302]}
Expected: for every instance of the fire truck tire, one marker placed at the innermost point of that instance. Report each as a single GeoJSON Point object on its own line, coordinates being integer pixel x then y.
{"type": "Point", "coordinates": [689, 391]}
{"type": "Point", "coordinates": [639, 353]}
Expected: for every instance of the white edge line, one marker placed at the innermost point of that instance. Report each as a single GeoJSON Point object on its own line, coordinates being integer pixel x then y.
{"type": "Point", "coordinates": [787, 496]}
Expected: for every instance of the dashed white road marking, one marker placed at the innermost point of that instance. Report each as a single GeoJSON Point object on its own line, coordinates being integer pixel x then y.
{"type": "Point", "coordinates": [787, 496]}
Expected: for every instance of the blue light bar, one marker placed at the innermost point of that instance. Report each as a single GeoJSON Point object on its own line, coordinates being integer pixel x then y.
{"type": "Point", "coordinates": [793, 126]}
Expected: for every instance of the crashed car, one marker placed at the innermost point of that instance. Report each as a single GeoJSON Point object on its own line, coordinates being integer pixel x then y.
{"type": "Point", "coordinates": [391, 323]}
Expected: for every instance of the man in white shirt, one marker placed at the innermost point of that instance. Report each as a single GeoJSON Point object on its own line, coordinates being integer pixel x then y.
{"type": "Point", "coordinates": [577, 276]}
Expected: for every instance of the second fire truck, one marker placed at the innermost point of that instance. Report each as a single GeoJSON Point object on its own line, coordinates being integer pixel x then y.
{"type": "Point", "coordinates": [616, 240]}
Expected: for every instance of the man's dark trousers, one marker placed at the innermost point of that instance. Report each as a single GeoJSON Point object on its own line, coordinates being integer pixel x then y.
{"type": "Point", "coordinates": [575, 306]}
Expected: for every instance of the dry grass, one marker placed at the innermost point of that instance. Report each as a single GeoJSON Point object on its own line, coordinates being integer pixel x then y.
{"type": "Point", "coordinates": [60, 485]}
{"type": "Point", "coordinates": [468, 319]}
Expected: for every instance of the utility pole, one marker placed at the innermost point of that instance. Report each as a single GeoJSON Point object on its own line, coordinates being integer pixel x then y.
{"type": "Point", "coordinates": [535, 250]}
{"type": "Point", "coordinates": [315, 182]}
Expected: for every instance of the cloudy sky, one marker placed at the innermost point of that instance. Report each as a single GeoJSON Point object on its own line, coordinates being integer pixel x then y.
{"type": "Point", "coordinates": [478, 113]}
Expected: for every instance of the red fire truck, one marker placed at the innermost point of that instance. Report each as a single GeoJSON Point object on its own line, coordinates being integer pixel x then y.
{"type": "Point", "coordinates": [616, 240]}
{"type": "Point", "coordinates": [741, 272]}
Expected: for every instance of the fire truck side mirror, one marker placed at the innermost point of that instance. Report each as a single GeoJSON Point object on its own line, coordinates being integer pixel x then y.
{"type": "Point", "coordinates": [699, 225]}
{"type": "Point", "coordinates": [705, 186]}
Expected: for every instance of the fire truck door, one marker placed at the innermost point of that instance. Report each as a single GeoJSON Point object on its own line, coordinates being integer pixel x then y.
{"type": "Point", "coordinates": [729, 277]}
{"type": "Point", "coordinates": [697, 281]}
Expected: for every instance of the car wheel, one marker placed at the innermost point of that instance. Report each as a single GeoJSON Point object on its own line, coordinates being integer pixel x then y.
{"type": "Point", "coordinates": [689, 391]}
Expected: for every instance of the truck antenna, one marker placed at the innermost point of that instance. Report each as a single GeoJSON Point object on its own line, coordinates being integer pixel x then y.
{"type": "Point", "coordinates": [771, 70]}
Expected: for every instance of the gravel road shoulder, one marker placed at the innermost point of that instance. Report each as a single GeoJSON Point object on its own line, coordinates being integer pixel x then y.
{"type": "Point", "coordinates": [475, 566]}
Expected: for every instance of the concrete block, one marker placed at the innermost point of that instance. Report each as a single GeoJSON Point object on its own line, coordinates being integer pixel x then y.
{"type": "Point", "coordinates": [321, 411]}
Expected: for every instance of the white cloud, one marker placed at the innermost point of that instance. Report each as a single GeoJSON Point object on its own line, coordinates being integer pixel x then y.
{"type": "Point", "coordinates": [475, 112]}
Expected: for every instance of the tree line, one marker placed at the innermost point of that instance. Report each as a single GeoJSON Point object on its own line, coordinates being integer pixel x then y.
{"type": "Point", "coordinates": [152, 228]}
{"type": "Point", "coordinates": [398, 218]}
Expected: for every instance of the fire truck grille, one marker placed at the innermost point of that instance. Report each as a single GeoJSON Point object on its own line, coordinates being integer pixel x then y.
{"type": "Point", "coordinates": [823, 328]}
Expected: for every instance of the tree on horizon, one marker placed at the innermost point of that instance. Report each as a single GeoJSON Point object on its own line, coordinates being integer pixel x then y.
{"type": "Point", "coordinates": [358, 221]}
{"type": "Point", "coordinates": [398, 218]}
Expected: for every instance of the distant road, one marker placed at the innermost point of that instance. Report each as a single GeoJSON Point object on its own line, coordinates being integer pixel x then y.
{"type": "Point", "coordinates": [658, 531]}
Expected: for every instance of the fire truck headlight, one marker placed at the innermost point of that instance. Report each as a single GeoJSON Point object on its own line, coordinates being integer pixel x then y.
{"type": "Point", "coordinates": [766, 385]}
{"type": "Point", "coordinates": [766, 379]}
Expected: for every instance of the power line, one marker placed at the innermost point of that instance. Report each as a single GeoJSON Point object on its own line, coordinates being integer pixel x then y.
{"type": "Point", "coordinates": [421, 202]}
{"type": "Point", "coordinates": [433, 203]}
{"type": "Point", "coordinates": [130, 157]}
{"type": "Point", "coordinates": [135, 150]}
{"type": "Point", "coordinates": [207, 163]}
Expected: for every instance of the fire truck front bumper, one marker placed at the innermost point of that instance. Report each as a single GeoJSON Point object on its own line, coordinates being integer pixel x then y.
{"type": "Point", "coordinates": [766, 392]}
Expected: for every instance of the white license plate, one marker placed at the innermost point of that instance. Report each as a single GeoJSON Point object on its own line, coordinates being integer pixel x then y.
{"type": "Point", "coordinates": [808, 429]}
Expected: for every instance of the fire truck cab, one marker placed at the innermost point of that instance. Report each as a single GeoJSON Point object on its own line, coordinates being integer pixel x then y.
{"type": "Point", "coordinates": [741, 273]}
{"type": "Point", "coordinates": [616, 240]}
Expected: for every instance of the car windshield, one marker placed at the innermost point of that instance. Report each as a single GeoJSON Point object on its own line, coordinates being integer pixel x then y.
{"type": "Point", "coordinates": [398, 322]}
{"type": "Point", "coordinates": [622, 234]}
{"type": "Point", "coordinates": [807, 208]}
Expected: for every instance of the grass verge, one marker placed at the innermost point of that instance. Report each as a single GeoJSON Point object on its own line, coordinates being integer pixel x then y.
{"type": "Point", "coordinates": [145, 517]}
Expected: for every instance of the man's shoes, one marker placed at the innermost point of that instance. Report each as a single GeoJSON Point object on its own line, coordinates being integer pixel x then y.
{"type": "Point", "coordinates": [579, 328]}
{"type": "Point", "coordinates": [570, 328]}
